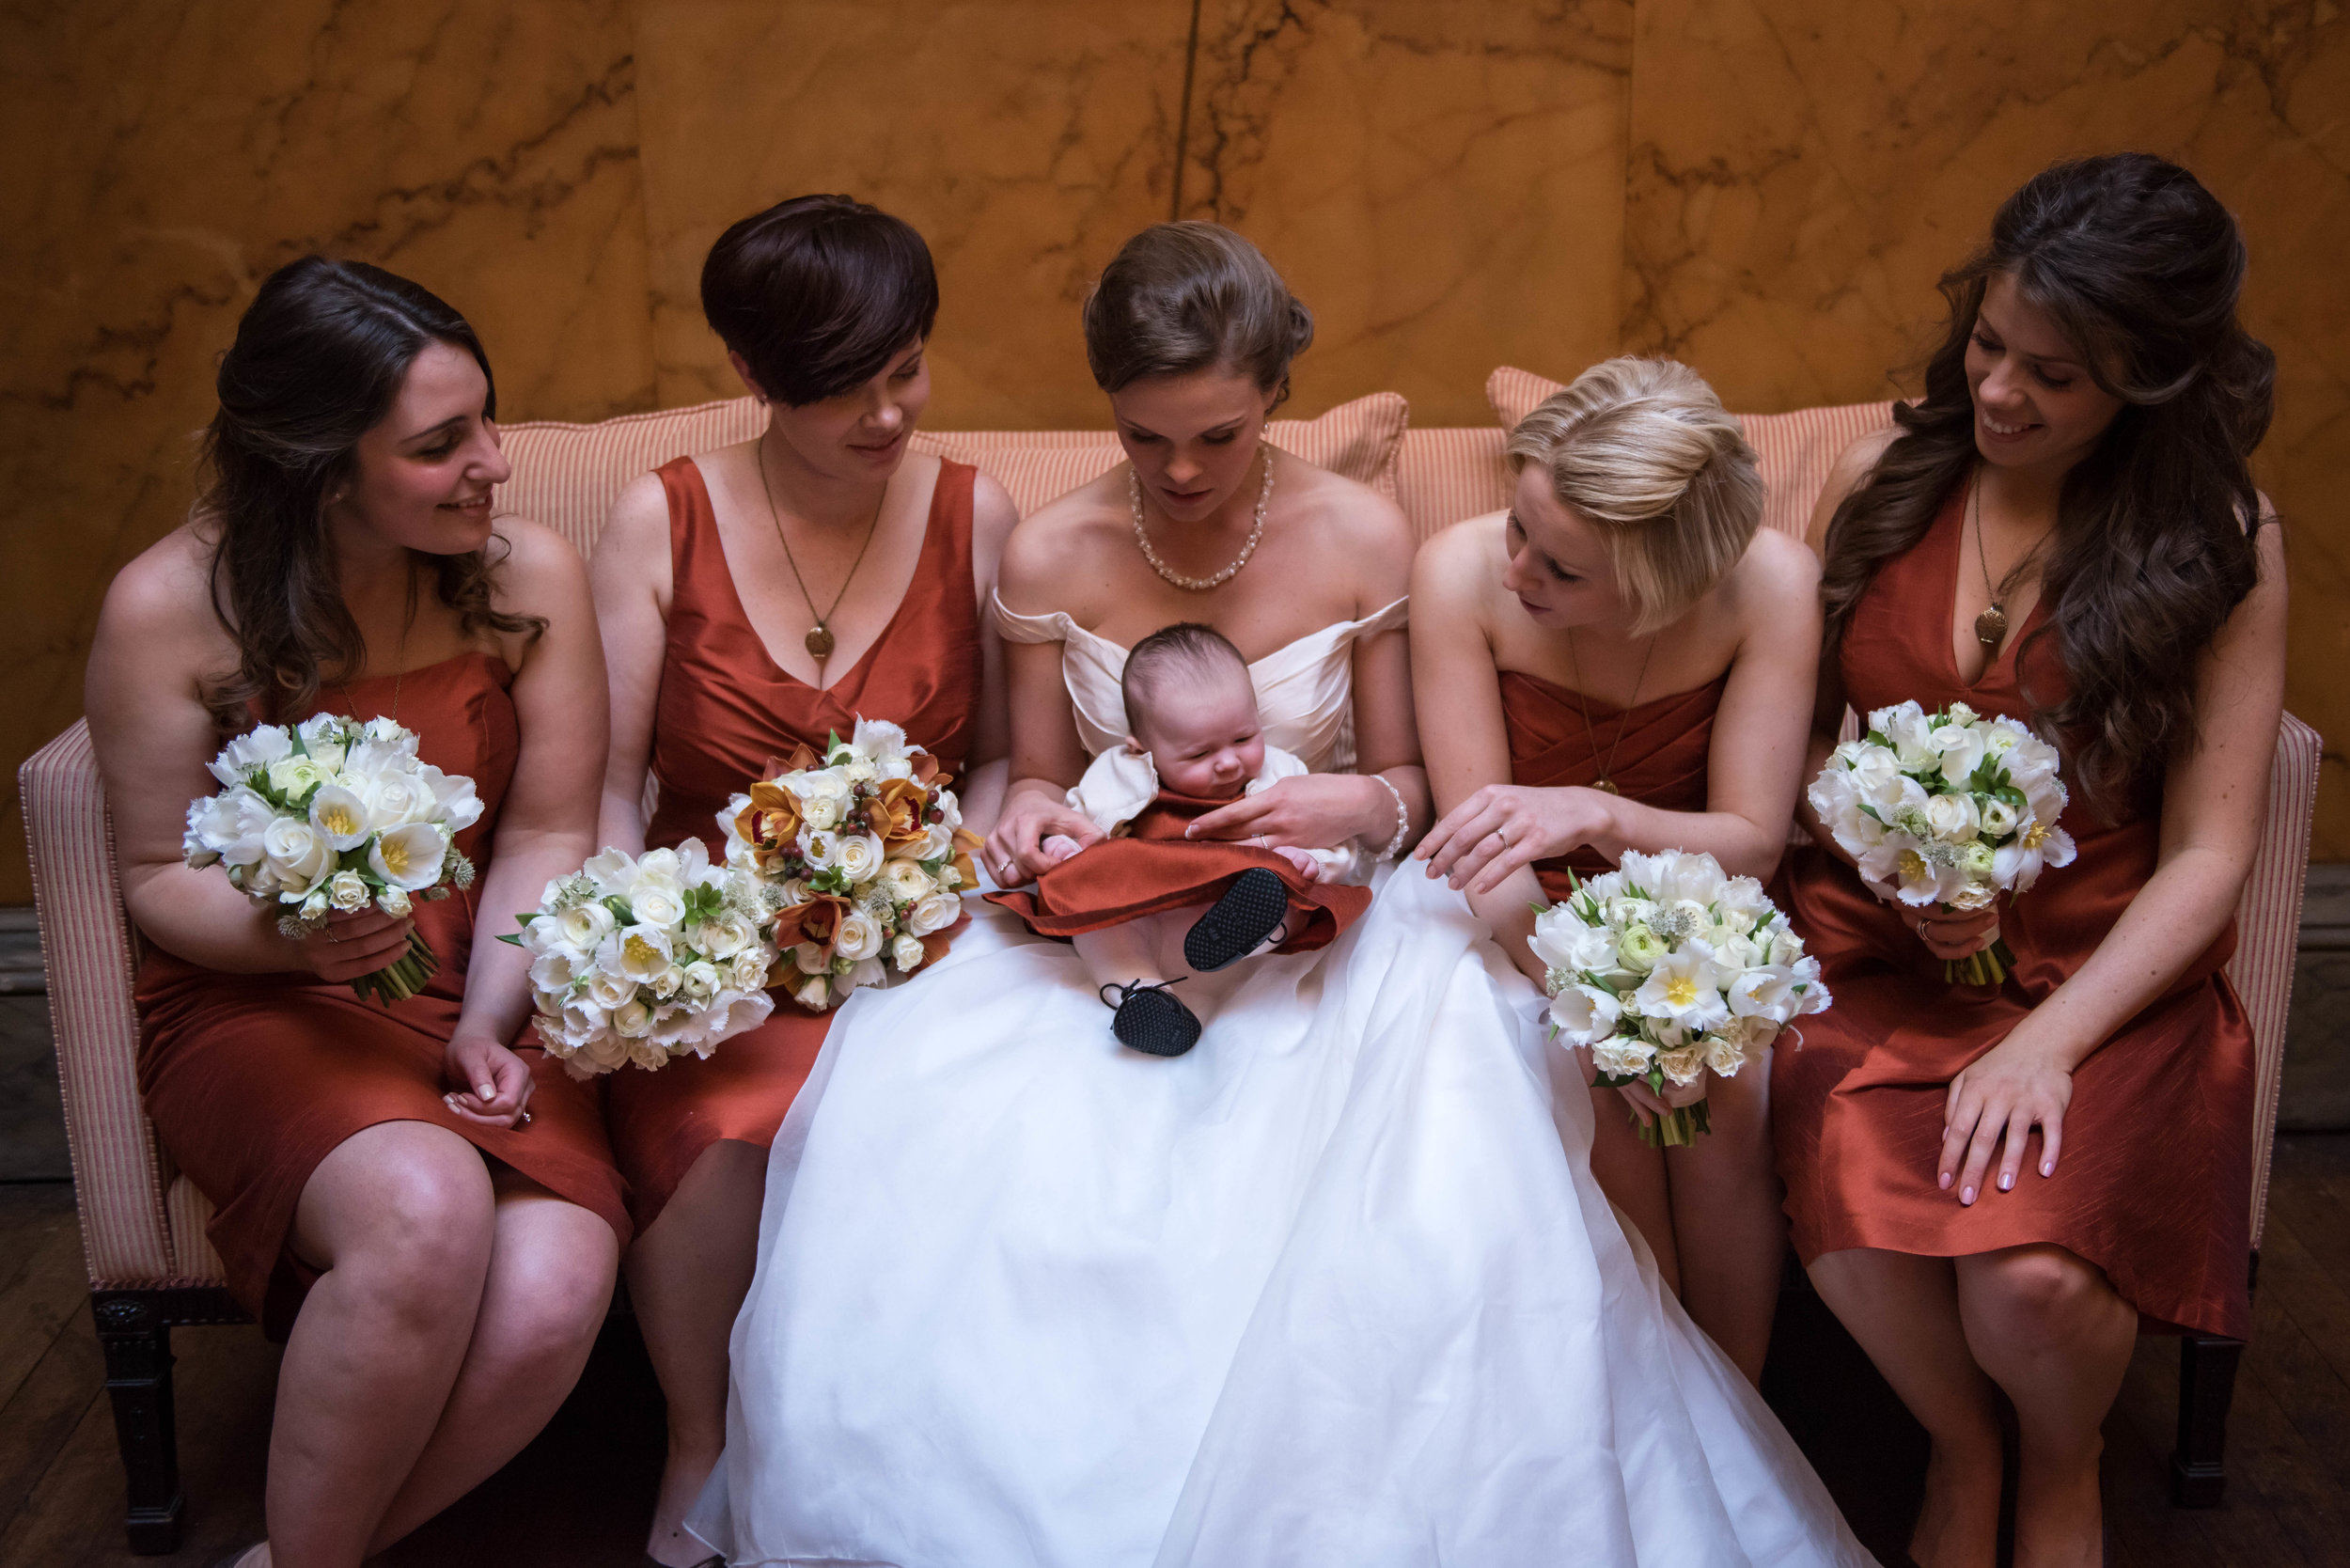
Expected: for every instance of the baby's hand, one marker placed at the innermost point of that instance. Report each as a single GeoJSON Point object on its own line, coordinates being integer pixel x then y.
{"type": "Point", "coordinates": [1308, 867]}
{"type": "Point", "coordinates": [1059, 846]}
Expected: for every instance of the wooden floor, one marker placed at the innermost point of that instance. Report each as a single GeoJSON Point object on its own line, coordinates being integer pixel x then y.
{"type": "Point", "coordinates": [578, 1496]}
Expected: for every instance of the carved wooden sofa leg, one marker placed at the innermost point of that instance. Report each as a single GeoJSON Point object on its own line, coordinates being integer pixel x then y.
{"type": "Point", "coordinates": [2206, 1383]}
{"type": "Point", "coordinates": [134, 1332]}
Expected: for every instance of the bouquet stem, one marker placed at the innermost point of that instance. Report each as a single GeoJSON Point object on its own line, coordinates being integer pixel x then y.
{"type": "Point", "coordinates": [402, 979]}
{"type": "Point", "coordinates": [1988, 967]}
{"type": "Point", "coordinates": [1676, 1129]}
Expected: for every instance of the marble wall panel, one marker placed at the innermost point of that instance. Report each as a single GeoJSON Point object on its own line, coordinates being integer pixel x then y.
{"type": "Point", "coordinates": [1802, 170]}
{"type": "Point", "coordinates": [165, 155]}
{"type": "Point", "coordinates": [1025, 140]}
{"type": "Point", "coordinates": [1442, 183]}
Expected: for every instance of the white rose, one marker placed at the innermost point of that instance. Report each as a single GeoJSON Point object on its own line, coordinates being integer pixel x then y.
{"type": "Point", "coordinates": [907, 881]}
{"type": "Point", "coordinates": [609, 990]}
{"type": "Point", "coordinates": [725, 936]}
{"type": "Point", "coordinates": [657, 902]}
{"type": "Point", "coordinates": [1962, 749]}
{"type": "Point", "coordinates": [632, 1019]}
{"type": "Point", "coordinates": [933, 914]}
{"type": "Point", "coordinates": [666, 983]}
{"type": "Point", "coordinates": [585, 925]}
{"type": "Point", "coordinates": [297, 853]}
{"type": "Point", "coordinates": [701, 983]}
{"type": "Point", "coordinates": [324, 737]}
{"type": "Point", "coordinates": [907, 953]}
{"type": "Point", "coordinates": [313, 907]}
{"type": "Point", "coordinates": [394, 902]}
{"type": "Point", "coordinates": [1619, 1057]}
{"type": "Point", "coordinates": [813, 993]}
{"type": "Point", "coordinates": [811, 959]}
{"type": "Point", "coordinates": [1997, 817]}
{"type": "Point", "coordinates": [859, 857]}
{"type": "Point", "coordinates": [1723, 1056]}
{"type": "Point", "coordinates": [859, 936]}
{"type": "Point", "coordinates": [1682, 1064]}
{"type": "Point", "coordinates": [394, 798]}
{"type": "Point", "coordinates": [822, 813]}
{"type": "Point", "coordinates": [543, 933]}
{"type": "Point", "coordinates": [348, 892]}
{"type": "Point", "coordinates": [1952, 818]}
{"type": "Point", "coordinates": [748, 969]}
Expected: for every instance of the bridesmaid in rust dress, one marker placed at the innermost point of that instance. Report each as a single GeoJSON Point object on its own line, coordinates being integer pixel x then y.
{"type": "Point", "coordinates": [1993, 1185]}
{"type": "Point", "coordinates": [752, 599]}
{"type": "Point", "coordinates": [1623, 661]}
{"type": "Point", "coordinates": [430, 1219]}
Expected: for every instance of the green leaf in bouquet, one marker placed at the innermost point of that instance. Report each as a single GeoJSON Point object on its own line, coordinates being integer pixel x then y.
{"type": "Point", "coordinates": [1878, 737]}
{"type": "Point", "coordinates": [620, 911]}
{"type": "Point", "coordinates": [512, 936]}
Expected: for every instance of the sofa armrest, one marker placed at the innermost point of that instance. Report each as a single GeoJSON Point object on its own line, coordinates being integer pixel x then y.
{"type": "Point", "coordinates": [87, 943]}
{"type": "Point", "coordinates": [2268, 929]}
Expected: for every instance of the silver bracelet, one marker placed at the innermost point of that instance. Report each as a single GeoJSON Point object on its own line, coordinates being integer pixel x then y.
{"type": "Point", "coordinates": [1403, 816]}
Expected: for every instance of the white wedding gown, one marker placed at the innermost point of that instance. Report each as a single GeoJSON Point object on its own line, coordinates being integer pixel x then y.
{"type": "Point", "coordinates": [1337, 1287]}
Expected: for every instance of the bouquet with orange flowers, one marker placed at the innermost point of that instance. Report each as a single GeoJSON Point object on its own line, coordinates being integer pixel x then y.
{"type": "Point", "coordinates": [864, 858]}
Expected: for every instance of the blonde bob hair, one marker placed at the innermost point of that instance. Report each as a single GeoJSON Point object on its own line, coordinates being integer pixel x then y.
{"type": "Point", "coordinates": [1645, 450]}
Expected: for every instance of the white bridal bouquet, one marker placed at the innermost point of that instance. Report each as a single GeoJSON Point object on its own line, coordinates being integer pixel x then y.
{"type": "Point", "coordinates": [1666, 969]}
{"type": "Point", "coordinates": [336, 814]}
{"type": "Point", "coordinates": [864, 855]}
{"type": "Point", "coordinates": [1947, 809]}
{"type": "Point", "coordinates": [635, 960]}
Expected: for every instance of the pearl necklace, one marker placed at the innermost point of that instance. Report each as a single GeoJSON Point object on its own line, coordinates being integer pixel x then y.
{"type": "Point", "coordinates": [1199, 585]}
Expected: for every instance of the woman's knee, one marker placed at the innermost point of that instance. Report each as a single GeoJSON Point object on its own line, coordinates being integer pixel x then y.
{"type": "Point", "coordinates": [406, 1205]}
{"type": "Point", "coordinates": [552, 1279]}
{"type": "Point", "coordinates": [2030, 1298]}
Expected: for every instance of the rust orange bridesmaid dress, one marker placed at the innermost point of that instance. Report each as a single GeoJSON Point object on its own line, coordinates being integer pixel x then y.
{"type": "Point", "coordinates": [252, 1080]}
{"type": "Point", "coordinates": [1658, 761]}
{"type": "Point", "coordinates": [2153, 1181]}
{"type": "Point", "coordinates": [726, 708]}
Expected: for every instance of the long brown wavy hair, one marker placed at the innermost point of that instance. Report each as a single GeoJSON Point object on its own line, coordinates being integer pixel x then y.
{"type": "Point", "coordinates": [319, 359]}
{"type": "Point", "coordinates": [2139, 266]}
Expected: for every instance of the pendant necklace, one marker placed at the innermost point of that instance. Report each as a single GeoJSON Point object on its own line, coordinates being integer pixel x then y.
{"type": "Point", "coordinates": [819, 641]}
{"type": "Point", "coordinates": [1200, 584]}
{"type": "Point", "coordinates": [1605, 782]}
{"type": "Point", "coordinates": [1991, 626]}
{"type": "Point", "coordinates": [399, 655]}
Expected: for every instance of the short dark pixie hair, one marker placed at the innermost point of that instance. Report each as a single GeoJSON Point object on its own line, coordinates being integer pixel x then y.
{"type": "Point", "coordinates": [1185, 297]}
{"type": "Point", "coordinates": [817, 292]}
{"type": "Point", "coordinates": [1187, 645]}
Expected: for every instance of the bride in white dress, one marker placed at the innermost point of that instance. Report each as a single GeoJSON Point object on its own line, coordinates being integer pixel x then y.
{"type": "Point", "coordinates": [1334, 1288]}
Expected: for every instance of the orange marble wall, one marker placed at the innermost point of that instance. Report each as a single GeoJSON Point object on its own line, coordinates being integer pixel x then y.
{"type": "Point", "coordinates": [1765, 187]}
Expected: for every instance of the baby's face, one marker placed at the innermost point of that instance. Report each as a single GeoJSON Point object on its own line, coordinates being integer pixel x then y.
{"type": "Point", "coordinates": [1203, 736]}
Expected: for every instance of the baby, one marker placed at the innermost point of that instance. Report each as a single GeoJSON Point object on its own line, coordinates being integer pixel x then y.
{"type": "Point", "coordinates": [1195, 744]}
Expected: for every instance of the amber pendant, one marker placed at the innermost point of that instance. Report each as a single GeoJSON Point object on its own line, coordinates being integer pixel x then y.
{"type": "Point", "coordinates": [1990, 627]}
{"type": "Point", "coordinates": [819, 640]}
{"type": "Point", "coordinates": [1605, 786]}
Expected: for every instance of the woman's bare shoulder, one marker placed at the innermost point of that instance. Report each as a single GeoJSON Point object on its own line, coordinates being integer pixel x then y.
{"type": "Point", "coordinates": [1461, 559]}
{"type": "Point", "coordinates": [167, 592]}
{"type": "Point", "coordinates": [1051, 548]}
{"type": "Point", "coordinates": [537, 565]}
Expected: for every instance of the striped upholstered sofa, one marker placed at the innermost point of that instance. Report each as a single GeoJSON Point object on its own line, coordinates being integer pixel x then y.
{"type": "Point", "coordinates": [151, 1267]}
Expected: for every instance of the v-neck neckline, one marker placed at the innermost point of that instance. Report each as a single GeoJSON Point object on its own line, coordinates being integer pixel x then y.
{"type": "Point", "coordinates": [2008, 644]}
{"type": "Point", "coordinates": [855, 671]}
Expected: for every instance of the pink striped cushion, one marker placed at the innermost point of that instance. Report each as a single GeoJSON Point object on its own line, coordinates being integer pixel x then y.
{"type": "Point", "coordinates": [568, 476]}
{"type": "Point", "coordinates": [1794, 450]}
{"type": "Point", "coordinates": [117, 1176]}
{"type": "Point", "coordinates": [2268, 929]}
{"type": "Point", "coordinates": [1450, 473]}
{"type": "Point", "coordinates": [189, 1211]}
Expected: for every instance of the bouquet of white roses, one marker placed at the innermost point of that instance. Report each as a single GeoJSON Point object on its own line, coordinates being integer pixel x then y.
{"type": "Point", "coordinates": [336, 814]}
{"type": "Point", "coordinates": [639, 959]}
{"type": "Point", "coordinates": [865, 855]}
{"type": "Point", "coordinates": [1666, 969]}
{"type": "Point", "coordinates": [1947, 809]}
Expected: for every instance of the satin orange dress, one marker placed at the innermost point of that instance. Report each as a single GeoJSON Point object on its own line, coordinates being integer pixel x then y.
{"type": "Point", "coordinates": [1659, 761]}
{"type": "Point", "coordinates": [726, 708]}
{"type": "Point", "coordinates": [1152, 868]}
{"type": "Point", "coordinates": [253, 1079]}
{"type": "Point", "coordinates": [2153, 1182]}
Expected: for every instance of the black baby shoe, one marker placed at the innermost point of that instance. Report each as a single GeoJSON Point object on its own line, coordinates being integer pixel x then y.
{"type": "Point", "coordinates": [1250, 911]}
{"type": "Point", "coordinates": [1151, 1020]}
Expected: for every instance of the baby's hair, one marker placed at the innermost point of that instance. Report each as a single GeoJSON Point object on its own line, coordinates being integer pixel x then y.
{"type": "Point", "coordinates": [1186, 645]}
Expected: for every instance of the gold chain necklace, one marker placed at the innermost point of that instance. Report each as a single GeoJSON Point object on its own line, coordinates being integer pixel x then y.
{"type": "Point", "coordinates": [1991, 626]}
{"type": "Point", "coordinates": [399, 655]}
{"type": "Point", "coordinates": [1200, 584]}
{"type": "Point", "coordinates": [1605, 780]}
{"type": "Point", "coordinates": [819, 640]}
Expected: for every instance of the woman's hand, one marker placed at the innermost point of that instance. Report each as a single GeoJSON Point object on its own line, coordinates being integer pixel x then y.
{"type": "Point", "coordinates": [352, 946]}
{"type": "Point", "coordinates": [1316, 810]}
{"type": "Point", "coordinates": [1951, 935]}
{"type": "Point", "coordinates": [1015, 851]}
{"type": "Point", "coordinates": [1646, 1105]}
{"type": "Point", "coordinates": [494, 1085]}
{"type": "Point", "coordinates": [1503, 828]}
{"type": "Point", "coordinates": [2009, 1089]}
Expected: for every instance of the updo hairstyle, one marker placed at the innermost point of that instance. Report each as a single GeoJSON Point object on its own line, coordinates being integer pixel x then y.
{"type": "Point", "coordinates": [816, 293]}
{"type": "Point", "coordinates": [319, 359]}
{"type": "Point", "coordinates": [1185, 648]}
{"type": "Point", "coordinates": [1179, 298]}
{"type": "Point", "coordinates": [1643, 448]}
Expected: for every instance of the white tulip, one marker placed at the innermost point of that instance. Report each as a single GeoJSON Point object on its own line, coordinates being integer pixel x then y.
{"type": "Point", "coordinates": [255, 748]}
{"type": "Point", "coordinates": [410, 855]}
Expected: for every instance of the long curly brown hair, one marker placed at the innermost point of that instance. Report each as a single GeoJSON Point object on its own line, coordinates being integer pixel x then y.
{"type": "Point", "coordinates": [319, 359]}
{"type": "Point", "coordinates": [2139, 266]}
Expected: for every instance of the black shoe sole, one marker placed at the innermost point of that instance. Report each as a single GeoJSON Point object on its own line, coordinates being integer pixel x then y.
{"type": "Point", "coordinates": [1250, 911]}
{"type": "Point", "coordinates": [1154, 1023]}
